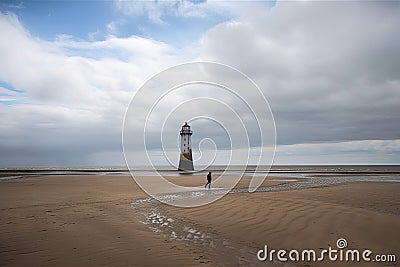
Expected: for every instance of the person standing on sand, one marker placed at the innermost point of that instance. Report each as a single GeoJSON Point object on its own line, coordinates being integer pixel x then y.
{"type": "Point", "coordinates": [208, 181]}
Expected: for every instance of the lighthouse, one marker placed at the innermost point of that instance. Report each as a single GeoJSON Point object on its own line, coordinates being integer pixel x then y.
{"type": "Point", "coordinates": [185, 159]}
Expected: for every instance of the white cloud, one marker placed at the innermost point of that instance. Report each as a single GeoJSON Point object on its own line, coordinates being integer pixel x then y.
{"type": "Point", "coordinates": [74, 71]}
{"type": "Point", "coordinates": [347, 153]}
{"type": "Point", "coordinates": [20, 5]}
{"type": "Point", "coordinates": [112, 27]}
{"type": "Point", "coordinates": [74, 92]}
{"type": "Point", "coordinates": [157, 11]}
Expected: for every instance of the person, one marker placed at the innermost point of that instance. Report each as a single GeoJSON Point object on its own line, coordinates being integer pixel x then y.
{"type": "Point", "coordinates": [208, 181]}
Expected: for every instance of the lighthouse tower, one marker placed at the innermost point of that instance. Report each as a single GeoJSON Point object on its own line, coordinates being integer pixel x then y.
{"type": "Point", "coordinates": [185, 160]}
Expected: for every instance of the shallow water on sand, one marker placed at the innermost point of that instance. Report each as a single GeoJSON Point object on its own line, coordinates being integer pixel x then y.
{"type": "Point", "coordinates": [150, 213]}
{"type": "Point", "coordinates": [277, 171]}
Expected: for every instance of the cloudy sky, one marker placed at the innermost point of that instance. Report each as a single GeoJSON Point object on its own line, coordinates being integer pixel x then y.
{"type": "Point", "coordinates": [330, 71]}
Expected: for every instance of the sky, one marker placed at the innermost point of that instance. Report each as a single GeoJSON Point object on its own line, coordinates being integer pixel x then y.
{"type": "Point", "coordinates": [329, 70]}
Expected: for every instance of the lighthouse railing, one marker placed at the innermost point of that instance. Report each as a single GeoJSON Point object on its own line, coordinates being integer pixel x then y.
{"type": "Point", "coordinates": [186, 132]}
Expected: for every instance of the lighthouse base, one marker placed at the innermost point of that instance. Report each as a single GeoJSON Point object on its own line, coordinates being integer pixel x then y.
{"type": "Point", "coordinates": [185, 165]}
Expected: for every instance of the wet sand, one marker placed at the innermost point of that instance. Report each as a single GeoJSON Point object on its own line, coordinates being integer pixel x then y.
{"type": "Point", "coordinates": [87, 220]}
{"type": "Point", "coordinates": [367, 215]}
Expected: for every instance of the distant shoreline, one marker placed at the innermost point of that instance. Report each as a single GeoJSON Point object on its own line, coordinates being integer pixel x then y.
{"type": "Point", "coordinates": [249, 168]}
{"type": "Point", "coordinates": [24, 172]}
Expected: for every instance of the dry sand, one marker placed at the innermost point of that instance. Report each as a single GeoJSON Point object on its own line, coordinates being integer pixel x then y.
{"type": "Point", "coordinates": [80, 221]}
{"type": "Point", "coordinates": [87, 220]}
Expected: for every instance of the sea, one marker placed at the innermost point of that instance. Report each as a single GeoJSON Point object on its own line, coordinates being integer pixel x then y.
{"type": "Point", "coordinates": [293, 171]}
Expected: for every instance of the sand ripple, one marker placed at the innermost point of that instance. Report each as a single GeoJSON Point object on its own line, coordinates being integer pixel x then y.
{"type": "Point", "coordinates": [175, 228]}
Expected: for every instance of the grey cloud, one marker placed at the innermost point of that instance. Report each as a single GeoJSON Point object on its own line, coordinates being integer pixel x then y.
{"type": "Point", "coordinates": [55, 136]}
{"type": "Point", "coordinates": [331, 70]}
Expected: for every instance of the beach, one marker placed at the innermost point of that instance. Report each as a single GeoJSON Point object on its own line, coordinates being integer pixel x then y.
{"type": "Point", "coordinates": [88, 220]}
